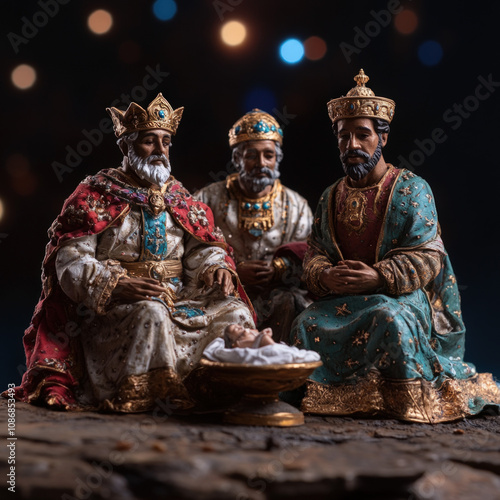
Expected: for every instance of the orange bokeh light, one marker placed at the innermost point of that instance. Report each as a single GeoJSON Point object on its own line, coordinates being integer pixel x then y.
{"type": "Point", "coordinates": [100, 22]}
{"type": "Point", "coordinates": [23, 76]}
{"type": "Point", "coordinates": [233, 33]}
{"type": "Point", "coordinates": [406, 22]}
{"type": "Point", "coordinates": [314, 48]}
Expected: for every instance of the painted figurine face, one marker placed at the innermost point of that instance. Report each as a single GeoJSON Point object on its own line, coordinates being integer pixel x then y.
{"type": "Point", "coordinates": [360, 146]}
{"type": "Point", "coordinates": [152, 142]}
{"type": "Point", "coordinates": [148, 156]}
{"type": "Point", "coordinates": [357, 134]}
{"type": "Point", "coordinates": [259, 154]}
{"type": "Point", "coordinates": [258, 166]}
{"type": "Point", "coordinates": [238, 336]}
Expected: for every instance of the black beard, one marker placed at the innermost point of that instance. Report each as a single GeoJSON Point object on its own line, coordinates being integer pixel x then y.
{"type": "Point", "coordinates": [360, 170]}
{"type": "Point", "coordinates": [256, 184]}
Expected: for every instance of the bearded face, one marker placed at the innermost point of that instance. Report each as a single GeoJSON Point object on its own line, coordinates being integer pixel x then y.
{"type": "Point", "coordinates": [360, 146]}
{"type": "Point", "coordinates": [357, 171]}
{"type": "Point", "coordinates": [147, 155]}
{"type": "Point", "coordinates": [258, 165]}
{"type": "Point", "coordinates": [154, 168]}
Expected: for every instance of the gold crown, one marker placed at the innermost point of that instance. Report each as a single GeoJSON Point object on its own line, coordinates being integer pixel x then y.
{"type": "Point", "coordinates": [158, 115]}
{"type": "Point", "coordinates": [361, 102]}
{"type": "Point", "coordinates": [256, 125]}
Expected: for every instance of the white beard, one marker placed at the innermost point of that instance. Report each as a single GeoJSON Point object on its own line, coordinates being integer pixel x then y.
{"type": "Point", "coordinates": [143, 167]}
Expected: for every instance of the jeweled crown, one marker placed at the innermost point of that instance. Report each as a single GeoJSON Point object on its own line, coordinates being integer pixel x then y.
{"type": "Point", "coordinates": [158, 115]}
{"type": "Point", "coordinates": [256, 125]}
{"type": "Point", "coordinates": [361, 102]}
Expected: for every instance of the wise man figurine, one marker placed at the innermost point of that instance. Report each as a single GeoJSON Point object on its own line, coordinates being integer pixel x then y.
{"type": "Point", "coordinates": [264, 221]}
{"type": "Point", "coordinates": [137, 281]}
{"type": "Point", "coordinates": [387, 320]}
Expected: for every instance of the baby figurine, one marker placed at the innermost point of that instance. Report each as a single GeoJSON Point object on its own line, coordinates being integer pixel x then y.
{"type": "Point", "coordinates": [238, 336]}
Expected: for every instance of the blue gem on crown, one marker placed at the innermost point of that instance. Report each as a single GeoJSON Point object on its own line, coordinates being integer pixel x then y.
{"type": "Point", "coordinates": [260, 126]}
{"type": "Point", "coordinates": [161, 114]}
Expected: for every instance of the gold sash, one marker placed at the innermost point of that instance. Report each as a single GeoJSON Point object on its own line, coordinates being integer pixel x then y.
{"type": "Point", "coordinates": [160, 270]}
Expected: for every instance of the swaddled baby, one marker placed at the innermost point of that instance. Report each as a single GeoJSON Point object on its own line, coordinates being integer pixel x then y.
{"type": "Point", "coordinates": [249, 346]}
{"type": "Point", "coordinates": [238, 336]}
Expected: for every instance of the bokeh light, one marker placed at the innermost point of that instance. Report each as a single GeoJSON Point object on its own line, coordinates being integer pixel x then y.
{"type": "Point", "coordinates": [314, 48]}
{"type": "Point", "coordinates": [233, 33]}
{"type": "Point", "coordinates": [23, 76]}
{"type": "Point", "coordinates": [406, 22]}
{"type": "Point", "coordinates": [291, 51]}
{"type": "Point", "coordinates": [430, 53]}
{"type": "Point", "coordinates": [164, 10]}
{"type": "Point", "coordinates": [261, 98]}
{"type": "Point", "coordinates": [1, 210]}
{"type": "Point", "coordinates": [100, 22]}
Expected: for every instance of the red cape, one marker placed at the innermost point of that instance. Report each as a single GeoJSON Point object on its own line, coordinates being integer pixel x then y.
{"type": "Point", "coordinates": [99, 202]}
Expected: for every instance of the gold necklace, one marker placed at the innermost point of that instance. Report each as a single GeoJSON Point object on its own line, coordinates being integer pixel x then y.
{"type": "Point", "coordinates": [255, 215]}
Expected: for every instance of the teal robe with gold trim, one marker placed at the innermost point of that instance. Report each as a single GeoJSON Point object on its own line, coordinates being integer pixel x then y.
{"type": "Point", "coordinates": [399, 355]}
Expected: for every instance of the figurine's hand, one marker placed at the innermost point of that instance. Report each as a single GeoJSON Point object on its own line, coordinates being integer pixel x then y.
{"type": "Point", "coordinates": [223, 278]}
{"type": "Point", "coordinates": [130, 289]}
{"type": "Point", "coordinates": [351, 277]}
{"type": "Point", "coordinates": [255, 272]}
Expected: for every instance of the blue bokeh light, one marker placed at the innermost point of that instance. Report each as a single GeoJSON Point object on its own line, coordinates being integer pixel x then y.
{"type": "Point", "coordinates": [291, 51]}
{"type": "Point", "coordinates": [164, 10]}
{"type": "Point", "coordinates": [430, 53]}
{"type": "Point", "coordinates": [261, 98]}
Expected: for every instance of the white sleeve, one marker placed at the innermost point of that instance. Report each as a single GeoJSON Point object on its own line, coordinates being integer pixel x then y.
{"type": "Point", "coordinates": [83, 278]}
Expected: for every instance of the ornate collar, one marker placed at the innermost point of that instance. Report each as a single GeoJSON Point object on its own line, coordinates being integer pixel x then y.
{"type": "Point", "coordinates": [255, 215]}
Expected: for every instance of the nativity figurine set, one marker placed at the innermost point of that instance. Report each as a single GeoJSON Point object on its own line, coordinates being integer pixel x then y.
{"type": "Point", "coordinates": [353, 311]}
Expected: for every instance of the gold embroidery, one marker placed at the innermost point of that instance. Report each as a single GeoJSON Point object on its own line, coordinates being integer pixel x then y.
{"type": "Point", "coordinates": [140, 392]}
{"type": "Point", "coordinates": [105, 284]}
{"type": "Point", "coordinates": [414, 400]}
{"type": "Point", "coordinates": [255, 215]}
{"type": "Point", "coordinates": [312, 271]}
{"type": "Point", "coordinates": [353, 214]}
{"type": "Point", "coordinates": [159, 270]}
{"type": "Point", "coordinates": [342, 310]}
{"type": "Point", "coordinates": [156, 200]}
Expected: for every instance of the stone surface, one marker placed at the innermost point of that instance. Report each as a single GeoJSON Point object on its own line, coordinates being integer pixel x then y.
{"type": "Point", "coordinates": [159, 455]}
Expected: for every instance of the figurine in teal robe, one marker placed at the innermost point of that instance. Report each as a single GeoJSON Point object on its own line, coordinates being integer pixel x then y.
{"type": "Point", "coordinates": [386, 319]}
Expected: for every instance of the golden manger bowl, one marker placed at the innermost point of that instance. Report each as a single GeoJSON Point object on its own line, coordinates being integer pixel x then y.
{"type": "Point", "coordinates": [260, 386]}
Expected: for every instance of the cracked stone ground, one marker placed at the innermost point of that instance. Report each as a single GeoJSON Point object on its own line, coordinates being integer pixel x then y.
{"type": "Point", "coordinates": [158, 455]}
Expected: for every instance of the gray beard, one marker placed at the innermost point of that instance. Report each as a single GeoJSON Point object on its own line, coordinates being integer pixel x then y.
{"type": "Point", "coordinates": [145, 170]}
{"type": "Point", "coordinates": [360, 170]}
{"type": "Point", "coordinates": [255, 184]}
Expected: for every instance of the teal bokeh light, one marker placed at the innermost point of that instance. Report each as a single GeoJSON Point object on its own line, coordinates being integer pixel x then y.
{"type": "Point", "coordinates": [164, 10]}
{"type": "Point", "coordinates": [291, 51]}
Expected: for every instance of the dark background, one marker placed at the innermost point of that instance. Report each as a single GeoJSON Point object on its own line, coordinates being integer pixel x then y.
{"type": "Point", "coordinates": [80, 74]}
